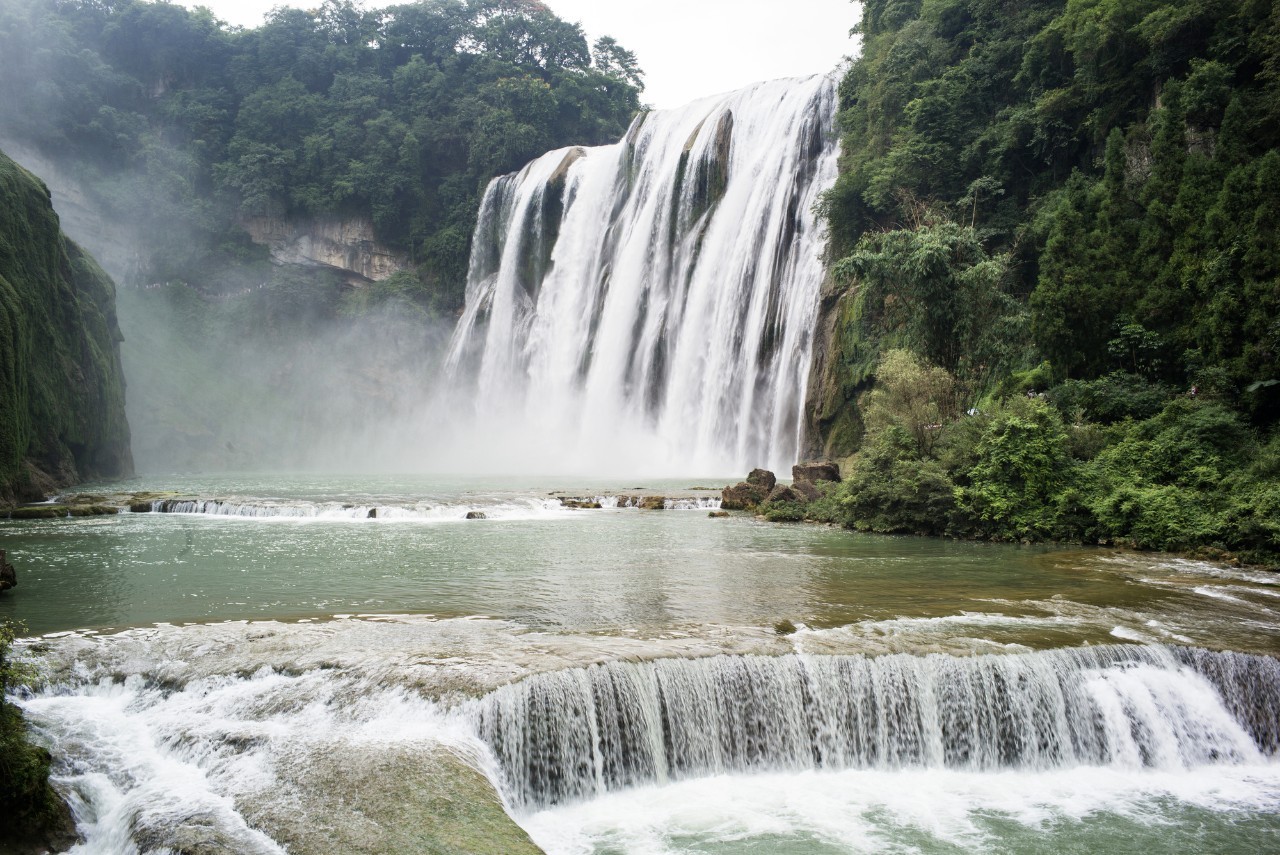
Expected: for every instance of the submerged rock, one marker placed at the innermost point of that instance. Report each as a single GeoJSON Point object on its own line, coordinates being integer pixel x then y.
{"type": "Point", "coordinates": [38, 512]}
{"type": "Point", "coordinates": [8, 576]}
{"type": "Point", "coordinates": [368, 800]}
{"type": "Point", "coordinates": [818, 470]}
{"type": "Point", "coordinates": [718, 515]}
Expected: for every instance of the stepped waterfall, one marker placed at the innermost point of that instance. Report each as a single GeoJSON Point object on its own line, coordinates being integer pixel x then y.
{"type": "Point", "coordinates": [577, 734]}
{"type": "Point", "coordinates": [650, 305]}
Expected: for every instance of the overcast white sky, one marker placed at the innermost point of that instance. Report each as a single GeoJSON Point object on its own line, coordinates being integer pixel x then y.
{"type": "Point", "coordinates": [687, 48]}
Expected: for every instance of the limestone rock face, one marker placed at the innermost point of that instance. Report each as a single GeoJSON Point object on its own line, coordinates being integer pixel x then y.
{"type": "Point", "coordinates": [815, 471]}
{"type": "Point", "coordinates": [344, 244]}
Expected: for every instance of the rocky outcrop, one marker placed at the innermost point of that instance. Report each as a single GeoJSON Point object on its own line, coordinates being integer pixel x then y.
{"type": "Point", "coordinates": [346, 244]}
{"type": "Point", "coordinates": [807, 490]}
{"type": "Point", "coordinates": [746, 495]}
{"type": "Point", "coordinates": [8, 576]}
{"type": "Point", "coordinates": [783, 493]}
{"type": "Point", "coordinates": [841, 368]}
{"type": "Point", "coordinates": [62, 416]}
{"type": "Point", "coordinates": [112, 241]}
{"type": "Point", "coordinates": [816, 471]}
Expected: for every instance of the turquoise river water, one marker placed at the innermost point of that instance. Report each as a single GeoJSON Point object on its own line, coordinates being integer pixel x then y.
{"type": "Point", "coordinates": [625, 681]}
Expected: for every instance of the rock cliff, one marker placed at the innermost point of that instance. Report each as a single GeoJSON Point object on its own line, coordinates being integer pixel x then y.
{"type": "Point", "coordinates": [62, 416]}
{"type": "Point", "coordinates": [344, 244]}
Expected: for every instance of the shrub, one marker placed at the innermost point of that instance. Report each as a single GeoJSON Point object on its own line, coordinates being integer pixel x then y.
{"type": "Point", "coordinates": [1022, 465]}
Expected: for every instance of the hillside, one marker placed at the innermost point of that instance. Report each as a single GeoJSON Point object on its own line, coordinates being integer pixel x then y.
{"type": "Point", "coordinates": [1054, 300]}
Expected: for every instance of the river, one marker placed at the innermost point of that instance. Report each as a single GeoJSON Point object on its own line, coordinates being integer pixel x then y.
{"type": "Point", "coordinates": [319, 664]}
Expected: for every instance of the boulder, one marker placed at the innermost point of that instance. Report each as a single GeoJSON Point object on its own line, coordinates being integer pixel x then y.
{"type": "Point", "coordinates": [477, 515]}
{"type": "Point", "coordinates": [743, 497]}
{"type": "Point", "coordinates": [718, 515]}
{"type": "Point", "coordinates": [783, 493]}
{"type": "Point", "coordinates": [807, 491]}
{"type": "Point", "coordinates": [8, 576]}
{"type": "Point", "coordinates": [823, 470]}
{"type": "Point", "coordinates": [654, 503]}
{"type": "Point", "coordinates": [763, 478]}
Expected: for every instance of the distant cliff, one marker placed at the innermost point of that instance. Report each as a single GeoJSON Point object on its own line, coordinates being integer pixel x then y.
{"type": "Point", "coordinates": [62, 417]}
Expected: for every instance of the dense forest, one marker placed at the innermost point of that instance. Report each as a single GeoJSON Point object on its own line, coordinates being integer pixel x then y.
{"type": "Point", "coordinates": [179, 135]}
{"type": "Point", "coordinates": [186, 127]}
{"type": "Point", "coordinates": [1056, 302]}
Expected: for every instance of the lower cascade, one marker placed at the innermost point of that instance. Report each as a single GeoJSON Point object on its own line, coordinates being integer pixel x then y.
{"type": "Point", "coordinates": [652, 303]}
{"type": "Point", "coordinates": [576, 734]}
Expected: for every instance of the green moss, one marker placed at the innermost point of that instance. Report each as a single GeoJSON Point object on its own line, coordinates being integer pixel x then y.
{"type": "Point", "coordinates": [32, 816]}
{"type": "Point", "coordinates": [61, 386]}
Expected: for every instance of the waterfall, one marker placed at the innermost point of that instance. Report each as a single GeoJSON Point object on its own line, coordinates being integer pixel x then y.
{"type": "Point", "coordinates": [650, 305]}
{"type": "Point", "coordinates": [576, 734]}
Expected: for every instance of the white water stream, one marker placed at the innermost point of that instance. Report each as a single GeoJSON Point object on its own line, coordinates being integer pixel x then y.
{"type": "Point", "coordinates": [164, 750]}
{"type": "Point", "coordinates": [649, 306]}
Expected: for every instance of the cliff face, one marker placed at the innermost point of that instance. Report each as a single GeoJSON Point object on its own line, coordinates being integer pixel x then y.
{"type": "Point", "coordinates": [347, 245]}
{"type": "Point", "coordinates": [62, 416]}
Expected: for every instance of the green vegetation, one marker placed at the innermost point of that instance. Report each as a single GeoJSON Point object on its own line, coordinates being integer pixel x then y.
{"type": "Point", "coordinates": [180, 136]}
{"type": "Point", "coordinates": [1060, 217]}
{"type": "Point", "coordinates": [61, 387]}
{"type": "Point", "coordinates": [188, 129]}
{"type": "Point", "coordinates": [32, 810]}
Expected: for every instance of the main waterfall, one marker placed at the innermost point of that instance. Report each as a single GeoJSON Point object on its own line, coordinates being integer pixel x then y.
{"type": "Point", "coordinates": [648, 307]}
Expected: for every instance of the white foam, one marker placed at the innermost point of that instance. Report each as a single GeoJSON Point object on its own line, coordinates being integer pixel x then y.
{"type": "Point", "coordinates": [875, 811]}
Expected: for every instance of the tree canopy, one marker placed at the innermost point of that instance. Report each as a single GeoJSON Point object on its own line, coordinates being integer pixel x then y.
{"type": "Point", "coordinates": [401, 114]}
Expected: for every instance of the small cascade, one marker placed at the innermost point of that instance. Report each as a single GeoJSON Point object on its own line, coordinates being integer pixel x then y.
{"type": "Point", "coordinates": [651, 304]}
{"type": "Point", "coordinates": [575, 734]}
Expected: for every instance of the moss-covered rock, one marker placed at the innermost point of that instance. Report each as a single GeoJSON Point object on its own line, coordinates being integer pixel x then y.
{"type": "Point", "coordinates": [62, 415]}
{"type": "Point", "coordinates": [377, 799]}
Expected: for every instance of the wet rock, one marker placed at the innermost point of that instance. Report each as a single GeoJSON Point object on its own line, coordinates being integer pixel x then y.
{"type": "Point", "coordinates": [807, 490]}
{"type": "Point", "coordinates": [818, 470]}
{"type": "Point", "coordinates": [8, 576]}
{"type": "Point", "coordinates": [581, 504]}
{"type": "Point", "coordinates": [784, 627]}
{"type": "Point", "coordinates": [477, 515]}
{"type": "Point", "coordinates": [38, 512]}
{"type": "Point", "coordinates": [373, 514]}
{"type": "Point", "coordinates": [92, 510]}
{"type": "Point", "coordinates": [783, 493]}
{"type": "Point", "coordinates": [654, 503]}
{"type": "Point", "coordinates": [718, 515]}
{"type": "Point", "coordinates": [763, 478]}
{"type": "Point", "coordinates": [140, 507]}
